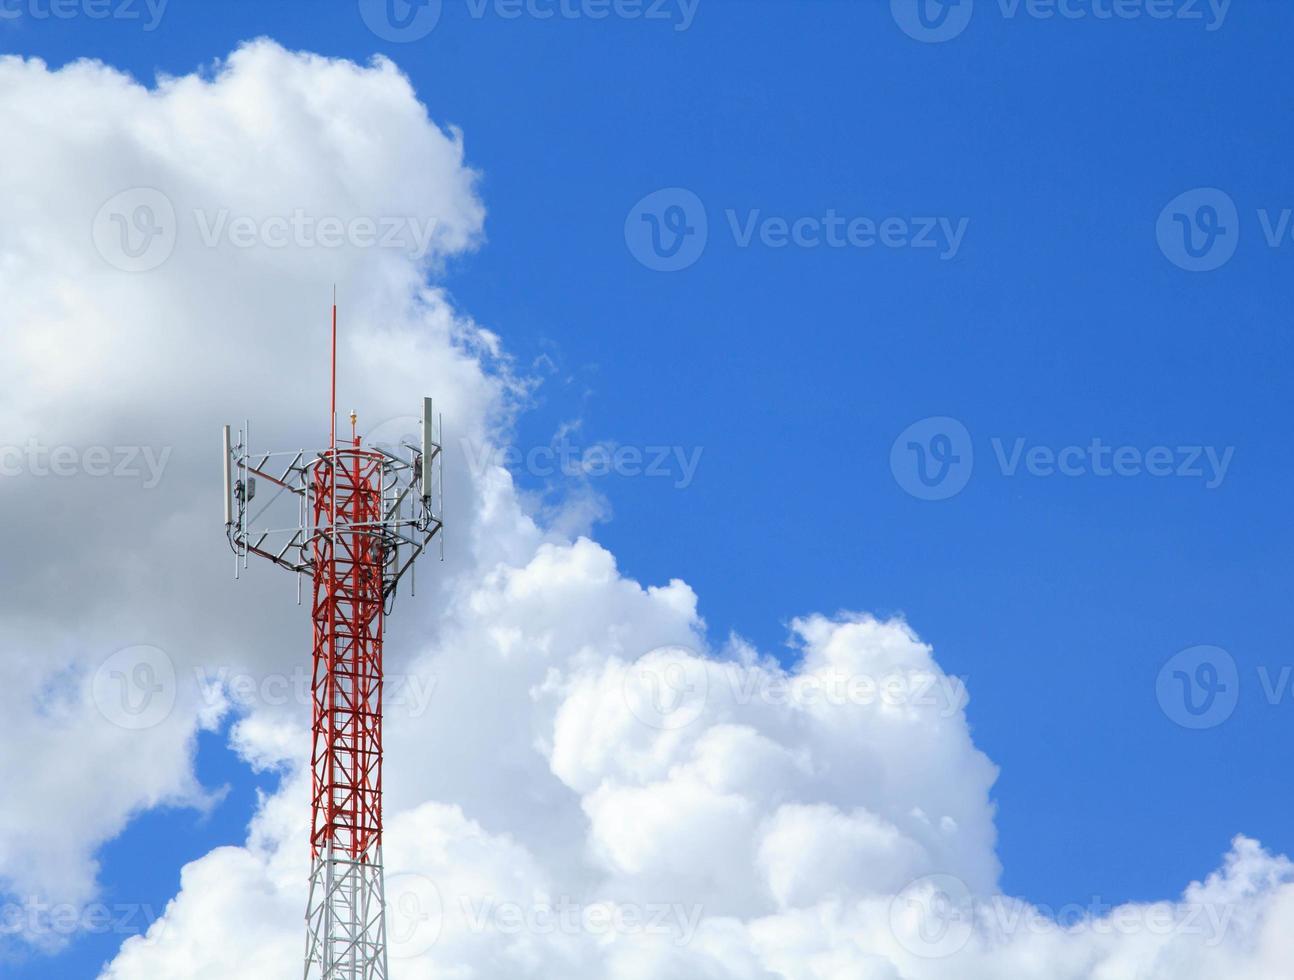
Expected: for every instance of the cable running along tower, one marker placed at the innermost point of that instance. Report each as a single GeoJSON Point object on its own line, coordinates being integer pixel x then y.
{"type": "Point", "coordinates": [353, 519]}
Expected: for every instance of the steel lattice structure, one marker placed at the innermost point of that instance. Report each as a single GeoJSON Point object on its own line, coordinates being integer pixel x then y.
{"type": "Point", "coordinates": [363, 517]}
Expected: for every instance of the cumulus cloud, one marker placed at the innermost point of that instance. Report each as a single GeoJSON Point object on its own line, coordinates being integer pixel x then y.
{"type": "Point", "coordinates": [581, 781]}
{"type": "Point", "coordinates": [114, 383]}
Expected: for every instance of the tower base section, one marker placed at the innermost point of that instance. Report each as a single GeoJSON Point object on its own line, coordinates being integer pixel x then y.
{"type": "Point", "coordinates": [345, 924]}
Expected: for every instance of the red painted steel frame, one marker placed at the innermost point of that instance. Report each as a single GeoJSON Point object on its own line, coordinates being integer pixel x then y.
{"type": "Point", "coordinates": [348, 620]}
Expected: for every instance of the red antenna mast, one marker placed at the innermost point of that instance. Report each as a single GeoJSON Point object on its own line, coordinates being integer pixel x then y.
{"type": "Point", "coordinates": [364, 516]}
{"type": "Point", "coordinates": [332, 442]}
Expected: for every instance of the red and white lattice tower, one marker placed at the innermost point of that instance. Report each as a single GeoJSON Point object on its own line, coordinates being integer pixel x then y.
{"type": "Point", "coordinates": [354, 518]}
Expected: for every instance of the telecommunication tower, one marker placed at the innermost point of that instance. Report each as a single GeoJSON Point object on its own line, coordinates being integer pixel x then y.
{"type": "Point", "coordinates": [354, 519]}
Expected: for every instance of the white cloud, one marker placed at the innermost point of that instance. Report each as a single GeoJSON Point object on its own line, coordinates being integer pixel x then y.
{"type": "Point", "coordinates": [595, 789]}
{"type": "Point", "coordinates": [98, 360]}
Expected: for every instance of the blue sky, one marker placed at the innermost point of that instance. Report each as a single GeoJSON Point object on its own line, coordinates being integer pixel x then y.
{"type": "Point", "coordinates": [1062, 315]}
